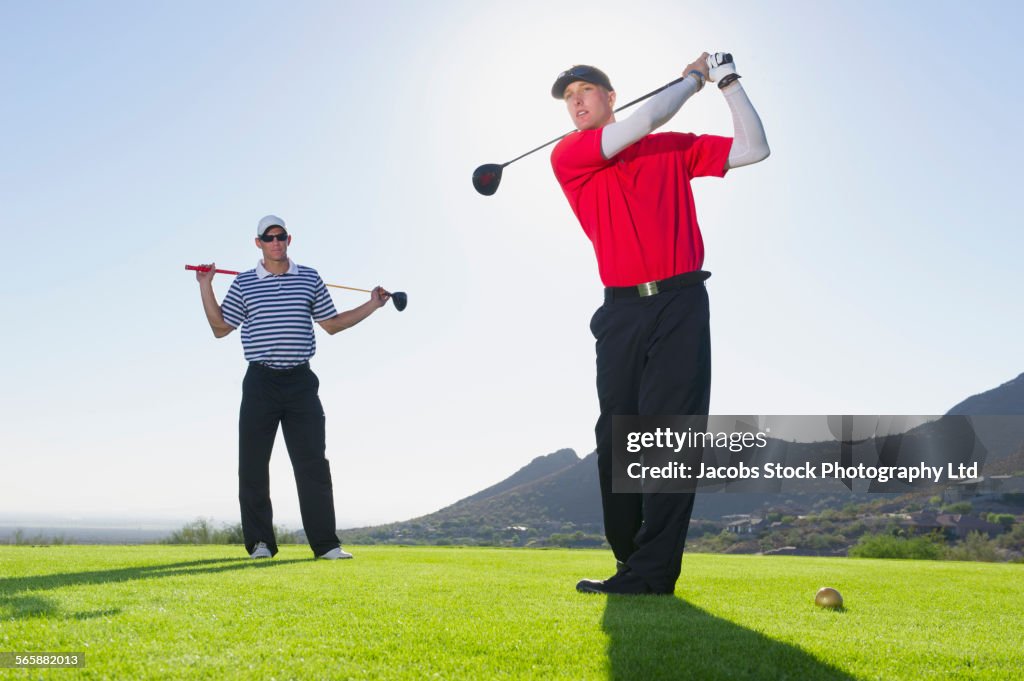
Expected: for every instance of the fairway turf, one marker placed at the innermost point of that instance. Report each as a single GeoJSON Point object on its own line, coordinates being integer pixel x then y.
{"type": "Point", "coordinates": [476, 613]}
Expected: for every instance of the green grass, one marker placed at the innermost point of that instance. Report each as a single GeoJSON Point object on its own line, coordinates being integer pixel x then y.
{"type": "Point", "coordinates": [449, 613]}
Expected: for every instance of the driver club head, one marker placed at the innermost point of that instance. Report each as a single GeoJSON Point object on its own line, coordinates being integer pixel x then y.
{"type": "Point", "coordinates": [486, 178]}
{"type": "Point", "coordinates": [400, 299]}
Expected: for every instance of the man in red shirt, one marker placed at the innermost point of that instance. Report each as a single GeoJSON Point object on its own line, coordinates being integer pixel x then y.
{"type": "Point", "coordinates": [630, 190]}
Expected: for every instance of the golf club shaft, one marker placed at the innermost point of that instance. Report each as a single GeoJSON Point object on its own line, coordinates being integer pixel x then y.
{"type": "Point", "coordinates": [533, 150]}
{"type": "Point", "coordinates": [199, 268]}
{"type": "Point", "coordinates": [651, 94]}
{"type": "Point", "coordinates": [624, 106]}
{"type": "Point", "coordinates": [349, 288]}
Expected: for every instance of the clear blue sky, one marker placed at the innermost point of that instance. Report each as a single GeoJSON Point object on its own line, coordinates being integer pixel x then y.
{"type": "Point", "coordinates": [871, 265]}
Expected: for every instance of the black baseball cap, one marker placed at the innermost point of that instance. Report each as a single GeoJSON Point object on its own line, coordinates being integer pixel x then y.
{"type": "Point", "coordinates": [588, 74]}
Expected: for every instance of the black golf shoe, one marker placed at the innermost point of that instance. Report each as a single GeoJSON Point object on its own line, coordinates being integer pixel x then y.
{"type": "Point", "coordinates": [621, 583]}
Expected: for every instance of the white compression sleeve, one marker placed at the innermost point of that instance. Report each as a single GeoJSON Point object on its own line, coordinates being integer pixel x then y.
{"type": "Point", "coordinates": [749, 144]}
{"type": "Point", "coordinates": [656, 112]}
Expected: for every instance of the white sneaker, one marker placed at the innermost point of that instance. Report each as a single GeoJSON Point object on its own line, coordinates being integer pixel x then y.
{"type": "Point", "coordinates": [261, 551]}
{"type": "Point", "coordinates": [336, 554]}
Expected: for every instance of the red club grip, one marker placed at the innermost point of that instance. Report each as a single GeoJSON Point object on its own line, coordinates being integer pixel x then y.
{"type": "Point", "coordinates": [199, 268]}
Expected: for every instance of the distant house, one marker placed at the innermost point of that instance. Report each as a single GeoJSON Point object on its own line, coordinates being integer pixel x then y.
{"type": "Point", "coordinates": [986, 485]}
{"type": "Point", "coordinates": [743, 524]}
{"type": "Point", "coordinates": [924, 522]}
{"type": "Point", "coordinates": [957, 525]}
{"type": "Point", "coordinates": [961, 525]}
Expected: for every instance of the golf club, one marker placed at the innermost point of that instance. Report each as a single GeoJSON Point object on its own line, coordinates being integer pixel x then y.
{"type": "Point", "coordinates": [399, 298]}
{"type": "Point", "coordinates": [487, 177]}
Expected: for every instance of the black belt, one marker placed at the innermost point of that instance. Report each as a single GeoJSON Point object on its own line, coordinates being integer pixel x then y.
{"type": "Point", "coordinates": [655, 287]}
{"type": "Point", "coordinates": [263, 367]}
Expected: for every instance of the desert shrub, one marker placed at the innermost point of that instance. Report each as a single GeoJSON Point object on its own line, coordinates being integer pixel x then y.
{"type": "Point", "coordinates": [1014, 539]}
{"type": "Point", "coordinates": [889, 546]}
{"type": "Point", "coordinates": [202, 531]}
{"type": "Point", "coordinates": [976, 546]}
{"type": "Point", "coordinates": [1004, 519]}
{"type": "Point", "coordinates": [19, 538]}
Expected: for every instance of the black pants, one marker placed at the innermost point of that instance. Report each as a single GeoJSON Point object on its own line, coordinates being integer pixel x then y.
{"type": "Point", "coordinates": [288, 397]}
{"type": "Point", "coordinates": [653, 358]}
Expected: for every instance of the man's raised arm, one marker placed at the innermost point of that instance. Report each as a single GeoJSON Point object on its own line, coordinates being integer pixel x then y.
{"type": "Point", "coordinates": [749, 144]}
{"type": "Point", "coordinates": [349, 318]}
{"type": "Point", "coordinates": [214, 315]}
{"type": "Point", "coordinates": [656, 111]}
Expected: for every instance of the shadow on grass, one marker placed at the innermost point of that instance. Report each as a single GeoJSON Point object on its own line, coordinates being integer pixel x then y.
{"type": "Point", "coordinates": [654, 637]}
{"type": "Point", "coordinates": [27, 607]}
{"type": "Point", "coordinates": [18, 607]}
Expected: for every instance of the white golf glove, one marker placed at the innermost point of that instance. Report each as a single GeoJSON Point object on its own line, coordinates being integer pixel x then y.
{"type": "Point", "coordinates": [720, 65]}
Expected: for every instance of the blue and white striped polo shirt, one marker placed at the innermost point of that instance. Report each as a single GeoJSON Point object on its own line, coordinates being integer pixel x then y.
{"type": "Point", "coordinates": [276, 313]}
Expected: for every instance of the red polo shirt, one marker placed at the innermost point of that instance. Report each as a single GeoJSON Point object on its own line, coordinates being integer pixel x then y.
{"type": "Point", "coordinates": [637, 207]}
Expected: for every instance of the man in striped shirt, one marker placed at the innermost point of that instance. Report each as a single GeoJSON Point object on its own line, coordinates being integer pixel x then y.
{"type": "Point", "coordinates": [276, 304]}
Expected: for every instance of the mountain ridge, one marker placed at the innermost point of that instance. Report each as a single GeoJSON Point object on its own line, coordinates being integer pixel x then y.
{"type": "Point", "coordinates": [558, 494]}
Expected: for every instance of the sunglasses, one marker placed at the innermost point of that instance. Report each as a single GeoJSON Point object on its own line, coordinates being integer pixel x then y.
{"type": "Point", "coordinates": [576, 71]}
{"type": "Point", "coordinates": [267, 238]}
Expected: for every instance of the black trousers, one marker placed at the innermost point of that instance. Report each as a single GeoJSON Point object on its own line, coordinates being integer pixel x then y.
{"type": "Point", "coordinates": [653, 358]}
{"type": "Point", "coordinates": [289, 398]}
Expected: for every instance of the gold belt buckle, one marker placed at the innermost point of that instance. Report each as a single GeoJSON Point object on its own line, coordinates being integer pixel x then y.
{"type": "Point", "coordinates": [648, 289]}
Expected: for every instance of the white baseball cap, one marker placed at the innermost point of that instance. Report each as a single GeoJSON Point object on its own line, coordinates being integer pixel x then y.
{"type": "Point", "coordinates": [268, 221]}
